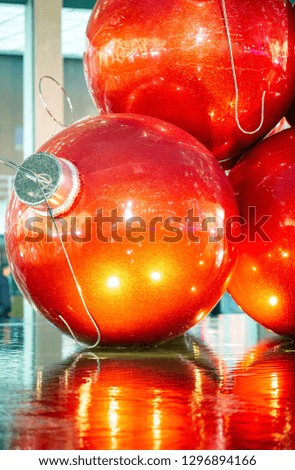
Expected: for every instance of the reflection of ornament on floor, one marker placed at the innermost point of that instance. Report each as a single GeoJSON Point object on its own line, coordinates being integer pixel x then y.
{"type": "Point", "coordinates": [263, 283]}
{"type": "Point", "coordinates": [154, 399]}
{"type": "Point", "coordinates": [224, 71]}
{"type": "Point", "coordinates": [267, 370]}
{"type": "Point", "coordinates": [145, 276]}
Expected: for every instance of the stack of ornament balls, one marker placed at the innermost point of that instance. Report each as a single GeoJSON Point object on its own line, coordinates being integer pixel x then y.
{"type": "Point", "coordinates": [158, 231]}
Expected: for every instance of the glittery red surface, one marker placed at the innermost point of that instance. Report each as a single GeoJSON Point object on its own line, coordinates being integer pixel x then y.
{"type": "Point", "coordinates": [171, 60]}
{"type": "Point", "coordinates": [263, 283]}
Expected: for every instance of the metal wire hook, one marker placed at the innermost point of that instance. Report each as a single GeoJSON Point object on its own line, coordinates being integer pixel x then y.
{"type": "Point", "coordinates": [56, 121]}
{"type": "Point", "coordinates": [75, 280]}
{"type": "Point", "coordinates": [224, 10]}
{"type": "Point", "coordinates": [30, 174]}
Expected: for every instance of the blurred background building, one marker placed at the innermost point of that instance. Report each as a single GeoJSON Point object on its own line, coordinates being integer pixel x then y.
{"type": "Point", "coordinates": [17, 50]}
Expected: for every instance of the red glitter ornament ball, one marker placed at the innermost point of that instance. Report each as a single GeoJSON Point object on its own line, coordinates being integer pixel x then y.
{"type": "Point", "coordinates": [146, 269]}
{"type": "Point", "coordinates": [263, 283]}
{"type": "Point", "coordinates": [177, 60]}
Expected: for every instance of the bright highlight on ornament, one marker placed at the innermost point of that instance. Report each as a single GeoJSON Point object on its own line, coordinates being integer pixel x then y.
{"type": "Point", "coordinates": [273, 300]}
{"type": "Point", "coordinates": [113, 282]}
{"type": "Point", "coordinates": [156, 276]}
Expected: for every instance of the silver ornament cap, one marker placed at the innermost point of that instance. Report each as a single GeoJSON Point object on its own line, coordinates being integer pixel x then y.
{"type": "Point", "coordinates": [44, 180]}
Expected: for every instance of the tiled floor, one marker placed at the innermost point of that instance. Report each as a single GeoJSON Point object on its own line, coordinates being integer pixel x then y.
{"type": "Point", "coordinates": [227, 384]}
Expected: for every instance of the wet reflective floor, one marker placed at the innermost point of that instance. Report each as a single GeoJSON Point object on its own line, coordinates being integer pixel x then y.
{"type": "Point", "coordinates": [227, 384]}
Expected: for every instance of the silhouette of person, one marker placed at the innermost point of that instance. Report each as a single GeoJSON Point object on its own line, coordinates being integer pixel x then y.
{"type": "Point", "coordinates": [5, 300]}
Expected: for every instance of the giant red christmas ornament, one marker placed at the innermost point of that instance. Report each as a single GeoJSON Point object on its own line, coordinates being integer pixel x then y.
{"type": "Point", "coordinates": [142, 209]}
{"type": "Point", "coordinates": [264, 280]}
{"type": "Point", "coordinates": [222, 70]}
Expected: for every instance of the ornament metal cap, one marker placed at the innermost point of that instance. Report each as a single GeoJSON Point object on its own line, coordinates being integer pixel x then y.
{"type": "Point", "coordinates": [44, 179]}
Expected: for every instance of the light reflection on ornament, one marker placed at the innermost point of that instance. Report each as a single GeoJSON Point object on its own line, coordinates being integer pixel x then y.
{"type": "Point", "coordinates": [114, 415]}
{"type": "Point", "coordinates": [156, 276]}
{"type": "Point", "coordinates": [273, 300]}
{"type": "Point", "coordinates": [157, 419]}
{"type": "Point", "coordinates": [113, 282]}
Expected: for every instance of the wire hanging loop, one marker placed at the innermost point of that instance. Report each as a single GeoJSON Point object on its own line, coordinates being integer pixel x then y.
{"type": "Point", "coordinates": [78, 287]}
{"type": "Point", "coordinates": [41, 94]}
{"type": "Point", "coordinates": [232, 61]}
